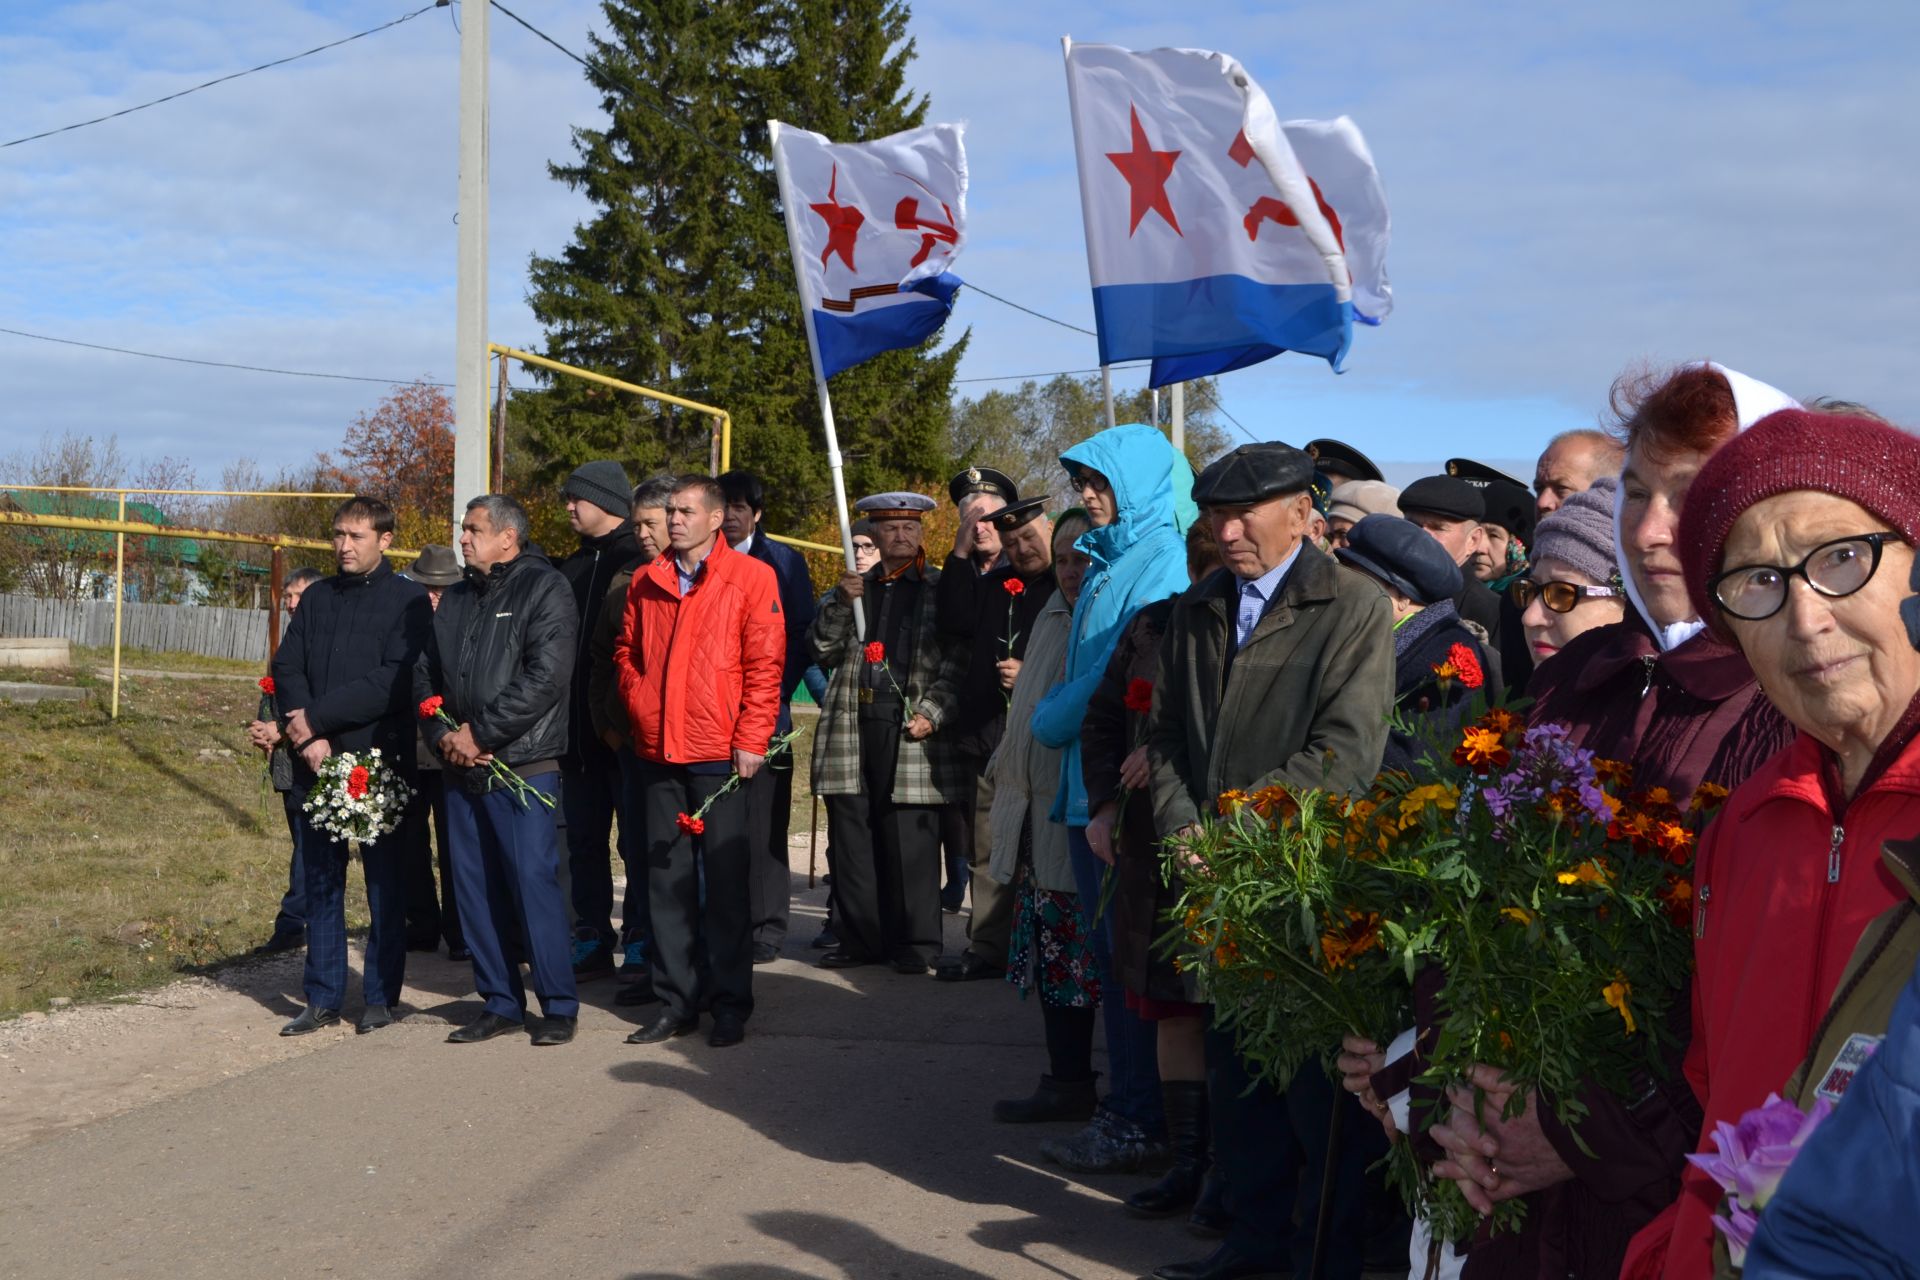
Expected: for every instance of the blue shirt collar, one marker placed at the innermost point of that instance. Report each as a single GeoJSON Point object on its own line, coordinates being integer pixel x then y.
{"type": "Point", "coordinates": [1269, 582]}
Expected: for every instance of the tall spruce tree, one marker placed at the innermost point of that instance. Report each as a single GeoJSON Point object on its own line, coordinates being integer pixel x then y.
{"type": "Point", "coordinates": [682, 279]}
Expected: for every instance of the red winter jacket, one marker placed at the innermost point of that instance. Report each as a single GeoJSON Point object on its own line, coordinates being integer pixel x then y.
{"type": "Point", "coordinates": [1782, 893]}
{"type": "Point", "coordinates": [700, 673]}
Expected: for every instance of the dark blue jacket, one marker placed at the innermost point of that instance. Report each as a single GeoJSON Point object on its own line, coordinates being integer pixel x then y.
{"type": "Point", "coordinates": [797, 603]}
{"type": "Point", "coordinates": [1847, 1207]}
{"type": "Point", "coordinates": [347, 660]}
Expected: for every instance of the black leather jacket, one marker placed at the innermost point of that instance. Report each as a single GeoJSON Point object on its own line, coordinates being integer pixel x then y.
{"type": "Point", "coordinates": [502, 657]}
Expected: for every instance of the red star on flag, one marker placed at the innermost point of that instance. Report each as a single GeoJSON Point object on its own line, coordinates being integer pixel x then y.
{"type": "Point", "coordinates": [843, 223]}
{"type": "Point", "coordinates": [1146, 172]}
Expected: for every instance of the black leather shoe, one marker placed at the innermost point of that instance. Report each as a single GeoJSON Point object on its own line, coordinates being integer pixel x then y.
{"type": "Point", "coordinates": [665, 1027]}
{"type": "Point", "coordinates": [291, 941]}
{"type": "Point", "coordinates": [826, 939]}
{"type": "Point", "coordinates": [842, 959]}
{"type": "Point", "coordinates": [555, 1030]}
{"type": "Point", "coordinates": [459, 955]}
{"type": "Point", "coordinates": [1184, 1103]}
{"type": "Point", "coordinates": [1209, 1219]}
{"type": "Point", "coordinates": [968, 968]}
{"type": "Point", "coordinates": [1223, 1263]}
{"type": "Point", "coordinates": [372, 1018]}
{"type": "Point", "coordinates": [484, 1027]}
{"type": "Point", "coordinates": [310, 1021]}
{"type": "Point", "coordinates": [727, 1031]}
{"type": "Point", "coordinates": [765, 953]}
{"type": "Point", "coordinates": [912, 966]}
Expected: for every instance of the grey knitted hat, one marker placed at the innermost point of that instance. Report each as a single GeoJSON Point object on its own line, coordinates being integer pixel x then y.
{"type": "Point", "coordinates": [602, 482]}
{"type": "Point", "coordinates": [1580, 532]}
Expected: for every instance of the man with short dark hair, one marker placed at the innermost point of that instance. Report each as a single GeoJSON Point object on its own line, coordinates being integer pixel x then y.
{"type": "Point", "coordinates": [1452, 511]}
{"type": "Point", "coordinates": [699, 661]}
{"type": "Point", "coordinates": [599, 505]}
{"type": "Point", "coordinates": [770, 792]}
{"type": "Point", "coordinates": [1279, 670]}
{"type": "Point", "coordinates": [342, 680]}
{"type": "Point", "coordinates": [502, 657]}
{"type": "Point", "coordinates": [610, 726]}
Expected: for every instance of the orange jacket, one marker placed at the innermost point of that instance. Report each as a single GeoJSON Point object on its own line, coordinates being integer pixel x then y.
{"type": "Point", "coordinates": [1782, 892]}
{"type": "Point", "coordinates": [700, 673]}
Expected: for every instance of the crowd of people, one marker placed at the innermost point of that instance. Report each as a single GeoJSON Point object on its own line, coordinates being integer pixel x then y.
{"type": "Point", "coordinates": [1714, 590]}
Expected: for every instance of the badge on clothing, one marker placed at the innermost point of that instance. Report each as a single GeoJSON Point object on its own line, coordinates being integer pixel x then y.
{"type": "Point", "coordinates": [1846, 1064]}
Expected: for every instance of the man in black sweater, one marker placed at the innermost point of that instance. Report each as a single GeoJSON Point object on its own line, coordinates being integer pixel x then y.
{"type": "Point", "coordinates": [343, 677]}
{"type": "Point", "coordinates": [599, 508]}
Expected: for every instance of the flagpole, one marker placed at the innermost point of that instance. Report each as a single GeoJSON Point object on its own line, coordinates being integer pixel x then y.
{"type": "Point", "coordinates": [1177, 423]}
{"type": "Point", "coordinates": [835, 465]}
{"type": "Point", "coordinates": [1106, 391]}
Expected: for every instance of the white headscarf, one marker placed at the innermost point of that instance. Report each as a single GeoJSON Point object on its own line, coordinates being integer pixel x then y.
{"type": "Point", "coordinates": [1752, 401]}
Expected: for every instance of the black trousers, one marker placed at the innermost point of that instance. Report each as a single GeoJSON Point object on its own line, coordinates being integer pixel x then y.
{"type": "Point", "coordinates": [1270, 1149]}
{"type": "Point", "coordinates": [769, 814]}
{"type": "Point", "coordinates": [886, 860]}
{"type": "Point", "coordinates": [682, 927]}
{"type": "Point", "coordinates": [432, 913]}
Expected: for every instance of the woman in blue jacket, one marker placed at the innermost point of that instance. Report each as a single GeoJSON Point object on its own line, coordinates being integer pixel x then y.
{"type": "Point", "coordinates": [1138, 489]}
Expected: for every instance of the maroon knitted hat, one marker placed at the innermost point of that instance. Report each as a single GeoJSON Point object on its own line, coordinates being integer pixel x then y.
{"type": "Point", "coordinates": [1869, 462]}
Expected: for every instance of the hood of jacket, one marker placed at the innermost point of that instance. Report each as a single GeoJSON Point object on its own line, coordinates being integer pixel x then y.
{"type": "Point", "coordinates": [1152, 487]}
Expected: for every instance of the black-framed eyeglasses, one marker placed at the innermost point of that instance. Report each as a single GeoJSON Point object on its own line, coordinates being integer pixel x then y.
{"type": "Point", "coordinates": [1561, 597]}
{"type": "Point", "coordinates": [1755, 592]}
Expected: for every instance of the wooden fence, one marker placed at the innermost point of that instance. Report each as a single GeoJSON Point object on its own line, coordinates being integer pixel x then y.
{"type": "Point", "coordinates": [166, 628]}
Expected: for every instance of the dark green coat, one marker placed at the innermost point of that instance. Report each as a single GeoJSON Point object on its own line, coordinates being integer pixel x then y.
{"type": "Point", "coordinates": [1304, 703]}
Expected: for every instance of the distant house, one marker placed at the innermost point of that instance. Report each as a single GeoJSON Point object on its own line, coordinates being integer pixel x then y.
{"type": "Point", "coordinates": [85, 558]}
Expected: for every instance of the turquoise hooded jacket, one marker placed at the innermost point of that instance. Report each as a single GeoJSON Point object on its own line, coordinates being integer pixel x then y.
{"type": "Point", "coordinates": [1139, 558]}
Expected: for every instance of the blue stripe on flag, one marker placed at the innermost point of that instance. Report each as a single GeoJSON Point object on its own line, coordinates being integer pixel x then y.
{"type": "Point", "coordinates": [847, 340]}
{"type": "Point", "coordinates": [1221, 322]}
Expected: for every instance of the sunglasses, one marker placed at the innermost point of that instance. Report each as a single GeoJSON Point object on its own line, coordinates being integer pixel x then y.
{"type": "Point", "coordinates": [1755, 592]}
{"type": "Point", "coordinates": [1561, 597]}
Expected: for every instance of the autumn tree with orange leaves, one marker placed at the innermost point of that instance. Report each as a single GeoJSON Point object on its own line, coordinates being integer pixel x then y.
{"type": "Point", "coordinates": [402, 452]}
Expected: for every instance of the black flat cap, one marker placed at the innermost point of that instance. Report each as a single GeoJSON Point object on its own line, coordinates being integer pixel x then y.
{"type": "Point", "coordinates": [1510, 506]}
{"type": "Point", "coordinates": [1444, 496]}
{"type": "Point", "coordinates": [982, 480]}
{"type": "Point", "coordinates": [1479, 474]}
{"type": "Point", "coordinates": [1253, 473]}
{"type": "Point", "coordinates": [1400, 552]}
{"type": "Point", "coordinates": [1340, 459]}
{"type": "Point", "coordinates": [1014, 515]}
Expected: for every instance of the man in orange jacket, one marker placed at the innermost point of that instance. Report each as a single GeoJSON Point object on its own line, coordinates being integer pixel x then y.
{"type": "Point", "coordinates": [699, 661]}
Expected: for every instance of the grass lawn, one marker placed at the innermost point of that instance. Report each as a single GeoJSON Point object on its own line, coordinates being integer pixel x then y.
{"type": "Point", "coordinates": [131, 851]}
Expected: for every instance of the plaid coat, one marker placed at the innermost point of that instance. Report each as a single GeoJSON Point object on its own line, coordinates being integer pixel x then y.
{"type": "Point", "coordinates": [927, 772]}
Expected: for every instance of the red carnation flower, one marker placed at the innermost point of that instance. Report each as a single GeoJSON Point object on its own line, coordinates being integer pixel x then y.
{"type": "Point", "coordinates": [431, 707]}
{"type": "Point", "coordinates": [1014, 587]}
{"type": "Point", "coordinates": [266, 685]}
{"type": "Point", "coordinates": [876, 652]}
{"type": "Point", "coordinates": [357, 781]}
{"type": "Point", "coordinates": [692, 826]}
{"type": "Point", "coordinates": [1140, 696]}
{"type": "Point", "coordinates": [1466, 666]}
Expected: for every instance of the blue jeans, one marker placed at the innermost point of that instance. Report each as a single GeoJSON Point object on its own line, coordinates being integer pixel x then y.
{"type": "Point", "coordinates": [506, 877]}
{"type": "Point", "coordinates": [323, 860]}
{"type": "Point", "coordinates": [1133, 1060]}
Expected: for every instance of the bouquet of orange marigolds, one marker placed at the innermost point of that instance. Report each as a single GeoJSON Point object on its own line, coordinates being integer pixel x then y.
{"type": "Point", "coordinates": [1551, 894]}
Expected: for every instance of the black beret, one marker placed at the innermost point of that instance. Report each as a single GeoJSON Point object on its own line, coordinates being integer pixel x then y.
{"type": "Point", "coordinates": [1400, 552]}
{"type": "Point", "coordinates": [982, 480]}
{"type": "Point", "coordinates": [1333, 455]}
{"type": "Point", "coordinates": [1510, 505]}
{"type": "Point", "coordinates": [1444, 496]}
{"type": "Point", "coordinates": [1479, 474]}
{"type": "Point", "coordinates": [1253, 473]}
{"type": "Point", "coordinates": [1014, 515]}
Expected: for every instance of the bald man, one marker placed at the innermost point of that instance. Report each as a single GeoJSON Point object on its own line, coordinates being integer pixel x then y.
{"type": "Point", "coordinates": [1573, 460]}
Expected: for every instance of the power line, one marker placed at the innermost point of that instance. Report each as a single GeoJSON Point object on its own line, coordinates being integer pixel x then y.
{"type": "Point", "coordinates": [1041, 315]}
{"type": "Point", "coordinates": [220, 364]}
{"type": "Point", "coordinates": [278, 62]}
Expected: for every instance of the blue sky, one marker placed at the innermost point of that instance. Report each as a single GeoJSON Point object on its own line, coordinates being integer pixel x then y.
{"type": "Point", "coordinates": [1574, 189]}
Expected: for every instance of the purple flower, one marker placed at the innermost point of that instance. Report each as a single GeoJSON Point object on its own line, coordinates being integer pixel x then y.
{"type": "Point", "coordinates": [1755, 1153]}
{"type": "Point", "coordinates": [1738, 1227]}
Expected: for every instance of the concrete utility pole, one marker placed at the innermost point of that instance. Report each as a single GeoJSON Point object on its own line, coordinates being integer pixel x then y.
{"type": "Point", "coordinates": [1177, 428]}
{"type": "Point", "coordinates": [470, 418]}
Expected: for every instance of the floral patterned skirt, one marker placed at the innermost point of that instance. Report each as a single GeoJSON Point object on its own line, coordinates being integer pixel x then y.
{"type": "Point", "coordinates": [1049, 946]}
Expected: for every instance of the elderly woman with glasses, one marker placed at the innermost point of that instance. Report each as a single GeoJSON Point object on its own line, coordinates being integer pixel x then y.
{"type": "Point", "coordinates": [1573, 584]}
{"type": "Point", "coordinates": [1798, 546]}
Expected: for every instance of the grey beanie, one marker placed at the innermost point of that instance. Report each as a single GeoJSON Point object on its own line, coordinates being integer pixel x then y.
{"type": "Point", "coordinates": [602, 482]}
{"type": "Point", "coordinates": [1579, 533]}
